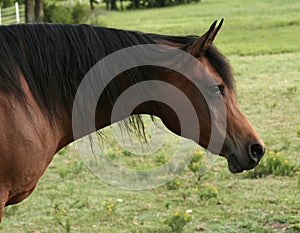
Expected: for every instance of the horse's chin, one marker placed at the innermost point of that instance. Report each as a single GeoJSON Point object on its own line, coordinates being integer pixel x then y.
{"type": "Point", "coordinates": [236, 166]}
{"type": "Point", "coordinates": [233, 165]}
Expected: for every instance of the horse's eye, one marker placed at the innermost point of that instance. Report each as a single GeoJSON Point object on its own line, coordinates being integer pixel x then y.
{"type": "Point", "coordinates": [215, 90]}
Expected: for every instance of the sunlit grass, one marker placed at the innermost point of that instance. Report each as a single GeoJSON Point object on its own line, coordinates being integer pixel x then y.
{"type": "Point", "coordinates": [251, 27]}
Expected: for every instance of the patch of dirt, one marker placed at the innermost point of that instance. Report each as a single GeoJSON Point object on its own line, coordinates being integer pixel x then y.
{"type": "Point", "coordinates": [281, 226]}
{"type": "Point", "coordinates": [277, 225]}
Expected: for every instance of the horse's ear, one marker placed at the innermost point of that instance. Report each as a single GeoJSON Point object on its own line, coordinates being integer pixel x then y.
{"type": "Point", "coordinates": [205, 40]}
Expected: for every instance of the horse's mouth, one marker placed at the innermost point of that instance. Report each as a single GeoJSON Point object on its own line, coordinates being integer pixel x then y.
{"type": "Point", "coordinates": [233, 164]}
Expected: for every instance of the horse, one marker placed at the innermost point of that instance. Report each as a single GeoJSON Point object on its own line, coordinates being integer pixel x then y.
{"type": "Point", "coordinates": [42, 67]}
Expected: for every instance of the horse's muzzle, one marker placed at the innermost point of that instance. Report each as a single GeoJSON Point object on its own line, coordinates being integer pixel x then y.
{"type": "Point", "coordinates": [236, 163]}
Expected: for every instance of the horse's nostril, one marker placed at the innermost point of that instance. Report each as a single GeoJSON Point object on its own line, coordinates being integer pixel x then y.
{"type": "Point", "coordinates": [256, 151]}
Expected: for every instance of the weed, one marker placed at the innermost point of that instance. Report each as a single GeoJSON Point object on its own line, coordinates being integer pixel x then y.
{"type": "Point", "coordinates": [173, 185]}
{"type": "Point", "coordinates": [178, 220]}
{"type": "Point", "coordinates": [60, 216]}
{"type": "Point", "coordinates": [161, 158]}
{"type": "Point", "coordinates": [273, 163]}
{"type": "Point", "coordinates": [207, 191]}
{"type": "Point", "coordinates": [71, 167]}
{"type": "Point", "coordinates": [110, 205]}
{"type": "Point", "coordinates": [195, 163]}
{"type": "Point", "coordinates": [76, 166]}
{"type": "Point", "coordinates": [64, 223]}
{"type": "Point", "coordinates": [60, 213]}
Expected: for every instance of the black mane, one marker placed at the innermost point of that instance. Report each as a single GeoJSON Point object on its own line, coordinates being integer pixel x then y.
{"type": "Point", "coordinates": [54, 58]}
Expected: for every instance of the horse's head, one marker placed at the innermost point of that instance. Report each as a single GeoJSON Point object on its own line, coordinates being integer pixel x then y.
{"type": "Point", "coordinates": [242, 146]}
{"type": "Point", "coordinates": [226, 124]}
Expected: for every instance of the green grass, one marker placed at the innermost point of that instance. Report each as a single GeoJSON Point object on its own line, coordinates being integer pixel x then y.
{"type": "Point", "coordinates": [261, 40]}
{"type": "Point", "coordinates": [251, 27]}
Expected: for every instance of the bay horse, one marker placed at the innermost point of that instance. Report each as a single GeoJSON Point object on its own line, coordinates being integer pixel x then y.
{"type": "Point", "coordinates": [41, 68]}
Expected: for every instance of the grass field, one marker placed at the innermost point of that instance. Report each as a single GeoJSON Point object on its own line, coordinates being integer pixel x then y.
{"type": "Point", "coordinates": [261, 40]}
